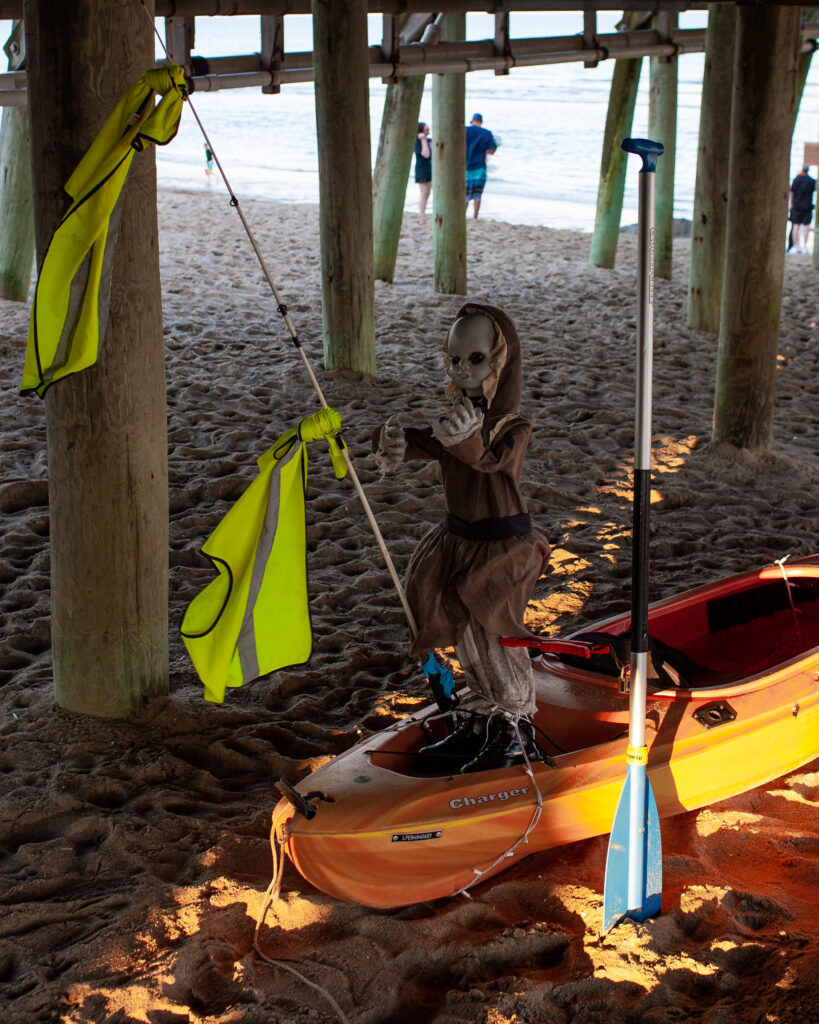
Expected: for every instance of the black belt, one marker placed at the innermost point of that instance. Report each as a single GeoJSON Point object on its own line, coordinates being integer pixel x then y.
{"type": "Point", "coordinates": [490, 529]}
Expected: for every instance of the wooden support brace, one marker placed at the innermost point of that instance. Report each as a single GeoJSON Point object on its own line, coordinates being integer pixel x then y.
{"type": "Point", "coordinates": [415, 27]}
{"type": "Point", "coordinates": [666, 23]}
{"type": "Point", "coordinates": [272, 54]}
{"type": "Point", "coordinates": [590, 35]}
{"type": "Point", "coordinates": [15, 47]}
{"type": "Point", "coordinates": [16, 202]}
{"type": "Point", "coordinates": [501, 42]}
{"type": "Point", "coordinates": [390, 42]}
{"type": "Point", "coordinates": [179, 40]}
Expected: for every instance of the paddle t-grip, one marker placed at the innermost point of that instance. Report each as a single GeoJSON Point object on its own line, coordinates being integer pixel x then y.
{"type": "Point", "coordinates": [647, 150]}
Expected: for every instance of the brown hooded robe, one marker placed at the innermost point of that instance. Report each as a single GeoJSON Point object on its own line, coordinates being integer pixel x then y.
{"type": "Point", "coordinates": [453, 580]}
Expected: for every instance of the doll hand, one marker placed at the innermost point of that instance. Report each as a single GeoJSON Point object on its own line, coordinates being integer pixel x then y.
{"type": "Point", "coordinates": [461, 423]}
{"type": "Point", "coordinates": [391, 445]}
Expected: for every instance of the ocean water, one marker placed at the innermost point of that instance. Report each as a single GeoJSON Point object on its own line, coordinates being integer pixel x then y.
{"type": "Point", "coordinates": [550, 122]}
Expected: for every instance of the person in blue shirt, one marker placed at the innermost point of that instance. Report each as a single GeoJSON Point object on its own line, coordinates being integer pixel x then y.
{"type": "Point", "coordinates": [480, 143]}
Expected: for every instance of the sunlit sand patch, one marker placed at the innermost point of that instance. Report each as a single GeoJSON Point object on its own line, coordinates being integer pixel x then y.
{"type": "Point", "coordinates": [563, 562]}
{"type": "Point", "coordinates": [494, 1016]}
{"type": "Point", "coordinates": [809, 780]}
{"type": "Point", "coordinates": [709, 822]}
{"type": "Point", "coordinates": [314, 763]}
{"type": "Point", "coordinates": [172, 927]}
{"type": "Point", "coordinates": [695, 897]}
{"type": "Point", "coordinates": [723, 945]}
{"type": "Point", "coordinates": [670, 455]}
{"type": "Point", "coordinates": [571, 595]}
{"type": "Point", "coordinates": [613, 538]}
{"type": "Point", "coordinates": [403, 703]}
{"type": "Point", "coordinates": [224, 892]}
{"type": "Point", "coordinates": [293, 912]}
{"type": "Point", "coordinates": [570, 600]}
{"type": "Point", "coordinates": [632, 940]}
{"type": "Point", "coordinates": [794, 797]}
{"type": "Point", "coordinates": [626, 493]}
{"type": "Point", "coordinates": [134, 1001]}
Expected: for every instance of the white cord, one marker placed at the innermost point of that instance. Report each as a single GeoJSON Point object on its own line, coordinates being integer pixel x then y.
{"type": "Point", "coordinates": [781, 563]}
{"type": "Point", "coordinates": [514, 719]}
{"type": "Point", "coordinates": [272, 895]}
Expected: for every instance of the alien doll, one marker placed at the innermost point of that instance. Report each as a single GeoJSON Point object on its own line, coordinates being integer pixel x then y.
{"type": "Point", "coordinates": [470, 578]}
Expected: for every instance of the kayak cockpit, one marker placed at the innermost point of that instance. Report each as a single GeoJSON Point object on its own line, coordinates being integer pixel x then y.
{"type": "Point", "coordinates": [727, 633]}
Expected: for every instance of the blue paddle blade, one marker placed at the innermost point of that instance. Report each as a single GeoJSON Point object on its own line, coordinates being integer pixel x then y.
{"type": "Point", "coordinates": [639, 838]}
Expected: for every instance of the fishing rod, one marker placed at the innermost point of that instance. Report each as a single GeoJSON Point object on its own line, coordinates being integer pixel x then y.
{"type": "Point", "coordinates": [282, 310]}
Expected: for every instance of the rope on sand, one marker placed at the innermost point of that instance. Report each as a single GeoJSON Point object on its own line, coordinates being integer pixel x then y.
{"type": "Point", "coordinates": [271, 896]}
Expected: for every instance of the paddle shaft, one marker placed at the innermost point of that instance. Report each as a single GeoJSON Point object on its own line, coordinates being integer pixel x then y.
{"type": "Point", "coordinates": [642, 459]}
{"type": "Point", "coordinates": [633, 885]}
{"type": "Point", "coordinates": [640, 535]}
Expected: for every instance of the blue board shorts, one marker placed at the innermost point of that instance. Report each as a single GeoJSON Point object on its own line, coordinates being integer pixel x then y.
{"type": "Point", "coordinates": [475, 181]}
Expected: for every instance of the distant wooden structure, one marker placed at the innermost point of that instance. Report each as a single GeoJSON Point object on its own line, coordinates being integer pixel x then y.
{"type": "Point", "coordinates": [107, 445]}
{"type": "Point", "coordinates": [16, 202]}
{"type": "Point", "coordinates": [448, 165]}
{"type": "Point", "coordinates": [662, 127]}
{"type": "Point", "coordinates": [622, 99]}
{"type": "Point", "coordinates": [396, 146]}
{"type": "Point", "coordinates": [711, 183]}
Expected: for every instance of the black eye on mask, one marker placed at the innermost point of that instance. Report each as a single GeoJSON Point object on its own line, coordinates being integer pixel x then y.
{"type": "Point", "coordinates": [476, 358]}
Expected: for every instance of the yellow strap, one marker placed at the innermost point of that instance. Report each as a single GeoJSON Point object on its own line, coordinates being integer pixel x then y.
{"type": "Point", "coordinates": [324, 423]}
{"type": "Point", "coordinates": [637, 755]}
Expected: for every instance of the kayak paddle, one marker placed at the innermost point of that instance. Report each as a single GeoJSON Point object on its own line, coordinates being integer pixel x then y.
{"type": "Point", "coordinates": [634, 869]}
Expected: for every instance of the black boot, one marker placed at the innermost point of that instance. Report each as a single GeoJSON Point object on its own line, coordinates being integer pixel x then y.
{"type": "Point", "coordinates": [453, 751]}
{"type": "Point", "coordinates": [503, 746]}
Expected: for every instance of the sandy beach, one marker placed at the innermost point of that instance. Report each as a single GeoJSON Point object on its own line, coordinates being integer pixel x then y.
{"type": "Point", "coordinates": [134, 855]}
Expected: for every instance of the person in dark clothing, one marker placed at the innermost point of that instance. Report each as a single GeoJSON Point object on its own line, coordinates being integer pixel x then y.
{"type": "Point", "coordinates": [800, 201]}
{"type": "Point", "coordinates": [423, 165]}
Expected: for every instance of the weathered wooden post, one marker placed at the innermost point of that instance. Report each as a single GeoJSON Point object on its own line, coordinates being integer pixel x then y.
{"type": "Point", "coordinates": [399, 124]}
{"type": "Point", "coordinates": [765, 69]}
{"type": "Point", "coordinates": [622, 98]}
{"type": "Point", "coordinates": [449, 173]}
{"type": "Point", "coordinates": [711, 185]}
{"type": "Point", "coordinates": [107, 441]}
{"type": "Point", "coordinates": [341, 63]}
{"type": "Point", "coordinates": [396, 146]}
{"type": "Point", "coordinates": [662, 126]}
{"type": "Point", "coordinates": [16, 203]}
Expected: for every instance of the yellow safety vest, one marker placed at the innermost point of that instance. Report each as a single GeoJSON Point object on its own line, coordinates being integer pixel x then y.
{"type": "Point", "coordinates": [70, 310]}
{"type": "Point", "coordinates": [254, 617]}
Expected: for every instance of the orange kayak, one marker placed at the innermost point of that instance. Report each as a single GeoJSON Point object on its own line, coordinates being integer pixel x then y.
{"type": "Point", "coordinates": [386, 835]}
